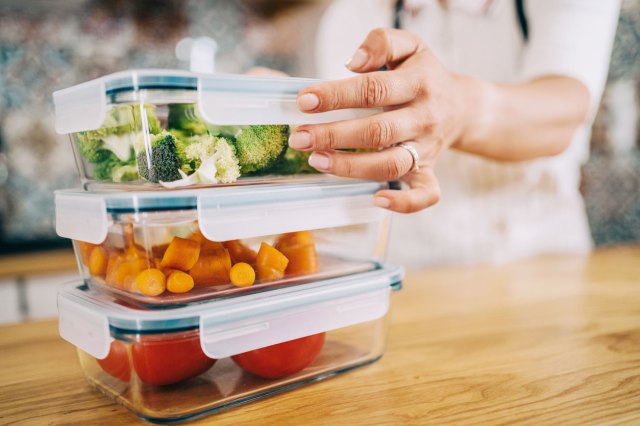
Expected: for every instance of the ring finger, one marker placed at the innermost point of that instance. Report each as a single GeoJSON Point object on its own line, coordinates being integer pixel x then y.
{"type": "Point", "coordinates": [391, 163]}
{"type": "Point", "coordinates": [378, 131]}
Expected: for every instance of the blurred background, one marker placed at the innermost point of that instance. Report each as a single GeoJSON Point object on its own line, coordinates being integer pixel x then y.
{"type": "Point", "coordinates": [47, 45]}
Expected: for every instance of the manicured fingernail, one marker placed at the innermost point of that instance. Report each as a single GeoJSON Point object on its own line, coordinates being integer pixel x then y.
{"type": "Point", "coordinates": [357, 60]}
{"type": "Point", "coordinates": [308, 102]}
{"type": "Point", "coordinates": [382, 202]}
{"type": "Point", "coordinates": [300, 140]}
{"type": "Point", "coordinates": [320, 161]}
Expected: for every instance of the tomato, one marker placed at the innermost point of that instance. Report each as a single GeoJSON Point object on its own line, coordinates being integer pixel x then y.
{"type": "Point", "coordinates": [116, 364]}
{"type": "Point", "coordinates": [283, 359]}
{"type": "Point", "coordinates": [167, 359]}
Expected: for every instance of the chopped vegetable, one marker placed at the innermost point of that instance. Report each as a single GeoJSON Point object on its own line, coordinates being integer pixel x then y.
{"type": "Point", "coordinates": [206, 246]}
{"type": "Point", "coordinates": [85, 250]}
{"type": "Point", "coordinates": [181, 254]}
{"type": "Point", "coordinates": [124, 272]}
{"type": "Point", "coordinates": [110, 147]}
{"type": "Point", "coordinates": [179, 282]}
{"type": "Point", "coordinates": [242, 275]}
{"type": "Point", "coordinates": [212, 269]}
{"type": "Point", "coordinates": [260, 147]}
{"type": "Point", "coordinates": [159, 160]}
{"type": "Point", "coordinates": [206, 159]}
{"type": "Point", "coordinates": [293, 162]}
{"type": "Point", "coordinates": [151, 282]}
{"type": "Point", "coordinates": [183, 118]}
{"type": "Point", "coordinates": [98, 261]}
{"type": "Point", "coordinates": [240, 252]}
{"type": "Point", "coordinates": [270, 263]}
{"type": "Point", "coordinates": [300, 249]}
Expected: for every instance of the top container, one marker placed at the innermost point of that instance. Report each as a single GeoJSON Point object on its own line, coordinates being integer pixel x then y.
{"type": "Point", "coordinates": [156, 129]}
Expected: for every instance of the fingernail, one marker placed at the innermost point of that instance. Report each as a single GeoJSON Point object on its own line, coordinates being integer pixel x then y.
{"type": "Point", "coordinates": [381, 202]}
{"type": "Point", "coordinates": [300, 140]}
{"type": "Point", "coordinates": [320, 161]}
{"type": "Point", "coordinates": [308, 102]}
{"type": "Point", "coordinates": [357, 60]}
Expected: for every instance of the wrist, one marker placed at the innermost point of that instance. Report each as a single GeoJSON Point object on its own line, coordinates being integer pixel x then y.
{"type": "Point", "coordinates": [478, 111]}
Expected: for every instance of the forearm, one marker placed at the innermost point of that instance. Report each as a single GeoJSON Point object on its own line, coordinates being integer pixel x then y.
{"type": "Point", "coordinates": [516, 122]}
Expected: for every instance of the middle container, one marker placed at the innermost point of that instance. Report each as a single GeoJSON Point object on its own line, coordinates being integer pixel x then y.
{"type": "Point", "coordinates": [176, 247]}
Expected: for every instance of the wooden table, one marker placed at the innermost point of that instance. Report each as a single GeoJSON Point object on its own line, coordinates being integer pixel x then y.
{"type": "Point", "coordinates": [547, 341]}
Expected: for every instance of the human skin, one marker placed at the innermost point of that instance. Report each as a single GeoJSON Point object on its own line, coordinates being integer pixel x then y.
{"type": "Point", "coordinates": [431, 109]}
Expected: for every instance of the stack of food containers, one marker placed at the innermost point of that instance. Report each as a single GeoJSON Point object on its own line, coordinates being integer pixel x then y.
{"type": "Point", "coordinates": [218, 268]}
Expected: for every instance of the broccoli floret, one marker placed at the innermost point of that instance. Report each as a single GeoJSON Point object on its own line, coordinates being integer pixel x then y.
{"type": "Point", "coordinates": [260, 147]}
{"type": "Point", "coordinates": [112, 169]}
{"type": "Point", "coordinates": [125, 173]}
{"type": "Point", "coordinates": [183, 118]}
{"type": "Point", "coordinates": [103, 169]}
{"type": "Point", "coordinates": [161, 162]}
{"type": "Point", "coordinates": [116, 134]}
{"type": "Point", "coordinates": [91, 148]}
{"type": "Point", "coordinates": [215, 152]}
{"type": "Point", "coordinates": [293, 162]}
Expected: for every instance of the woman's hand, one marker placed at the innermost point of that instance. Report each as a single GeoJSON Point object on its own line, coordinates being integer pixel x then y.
{"type": "Point", "coordinates": [423, 107]}
{"type": "Point", "coordinates": [432, 109]}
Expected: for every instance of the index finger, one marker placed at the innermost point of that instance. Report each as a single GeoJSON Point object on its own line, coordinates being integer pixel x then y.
{"type": "Point", "coordinates": [376, 89]}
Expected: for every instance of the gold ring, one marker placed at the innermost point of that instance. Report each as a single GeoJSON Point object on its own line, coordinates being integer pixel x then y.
{"type": "Point", "coordinates": [414, 155]}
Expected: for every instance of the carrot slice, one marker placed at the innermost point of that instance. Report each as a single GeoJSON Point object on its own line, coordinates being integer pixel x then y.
{"type": "Point", "coordinates": [212, 269]}
{"type": "Point", "coordinates": [242, 274]}
{"type": "Point", "coordinates": [294, 239]}
{"type": "Point", "coordinates": [98, 261]}
{"type": "Point", "coordinates": [270, 263]}
{"type": "Point", "coordinates": [179, 282]}
{"type": "Point", "coordinates": [151, 282]}
{"type": "Point", "coordinates": [116, 258]}
{"type": "Point", "coordinates": [127, 272]}
{"type": "Point", "coordinates": [181, 254]}
{"type": "Point", "coordinates": [240, 252]}
{"type": "Point", "coordinates": [302, 260]}
{"type": "Point", "coordinates": [300, 249]}
{"type": "Point", "coordinates": [85, 250]}
{"type": "Point", "coordinates": [206, 246]}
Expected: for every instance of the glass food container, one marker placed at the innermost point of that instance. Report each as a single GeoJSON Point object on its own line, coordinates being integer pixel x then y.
{"type": "Point", "coordinates": [162, 248]}
{"type": "Point", "coordinates": [154, 129]}
{"type": "Point", "coordinates": [175, 364]}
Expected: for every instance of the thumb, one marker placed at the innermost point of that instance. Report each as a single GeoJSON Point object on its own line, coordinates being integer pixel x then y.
{"type": "Point", "coordinates": [384, 46]}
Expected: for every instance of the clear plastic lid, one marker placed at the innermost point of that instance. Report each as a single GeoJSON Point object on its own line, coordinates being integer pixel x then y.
{"type": "Point", "coordinates": [221, 99]}
{"type": "Point", "coordinates": [236, 325]}
{"type": "Point", "coordinates": [227, 213]}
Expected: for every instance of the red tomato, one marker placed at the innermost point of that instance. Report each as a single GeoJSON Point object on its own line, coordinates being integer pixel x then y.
{"type": "Point", "coordinates": [167, 359]}
{"type": "Point", "coordinates": [116, 364]}
{"type": "Point", "coordinates": [283, 359]}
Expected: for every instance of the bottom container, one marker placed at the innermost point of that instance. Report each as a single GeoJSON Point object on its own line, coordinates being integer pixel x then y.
{"type": "Point", "coordinates": [175, 364]}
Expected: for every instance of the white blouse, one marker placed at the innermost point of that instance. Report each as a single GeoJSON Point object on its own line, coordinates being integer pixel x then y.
{"type": "Point", "coordinates": [491, 211]}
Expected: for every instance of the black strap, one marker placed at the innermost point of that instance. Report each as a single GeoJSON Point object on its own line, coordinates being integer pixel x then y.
{"type": "Point", "coordinates": [520, 14]}
{"type": "Point", "coordinates": [522, 19]}
{"type": "Point", "coordinates": [397, 11]}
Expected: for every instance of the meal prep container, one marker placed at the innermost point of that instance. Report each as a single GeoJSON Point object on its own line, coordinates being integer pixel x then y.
{"type": "Point", "coordinates": [161, 248]}
{"type": "Point", "coordinates": [164, 128]}
{"type": "Point", "coordinates": [174, 364]}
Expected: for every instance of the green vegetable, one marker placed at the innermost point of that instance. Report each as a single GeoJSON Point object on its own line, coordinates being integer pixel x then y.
{"type": "Point", "coordinates": [115, 170]}
{"type": "Point", "coordinates": [160, 161]}
{"type": "Point", "coordinates": [125, 173]}
{"type": "Point", "coordinates": [260, 147]}
{"type": "Point", "coordinates": [293, 162]}
{"type": "Point", "coordinates": [212, 157]}
{"type": "Point", "coordinates": [117, 134]}
{"type": "Point", "coordinates": [183, 119]}
{"type": "Point", "coordinates": [103, 169]}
